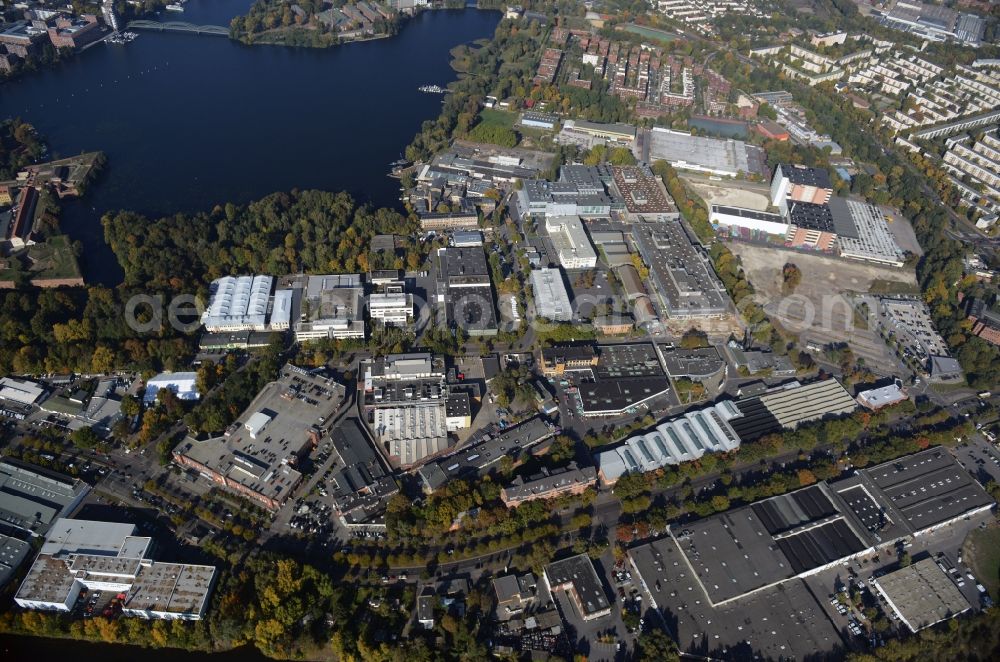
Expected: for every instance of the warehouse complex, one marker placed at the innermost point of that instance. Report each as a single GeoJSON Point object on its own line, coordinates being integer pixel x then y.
{"type": "Point", "coordinates": [311, 306]}
{"type": "Point", "coordinates": [742, 551]}
{"type": "Point", "coordinates": [464, 290]}
{"type": "Point", "coordinates": [482, 452]}
{"type": "Point", "coordinates": [871, 241]}
{"type": "Point", "coordinates": [104, 556]}
{"type": "Point", "coordinates": [410, 407]}
{"type": "Point", "coordinates": [238, 303]}
{"type": "Point", "coordinates": [747, 564]}
{"type": "Point", "coordinates": [811, 218]}
{"type": "Point", "coordinates": [727, 158]}
{"type": "Point", "coordinates": [623, 377]}
{"type": "Point", "coordinates": [722, 427]}
{"type": "Point", "coordinates": [680, 440]}
{"type": "Point", "coordinates": [922, 594]}
{"type": "Point", "coordinates": [321, 306]}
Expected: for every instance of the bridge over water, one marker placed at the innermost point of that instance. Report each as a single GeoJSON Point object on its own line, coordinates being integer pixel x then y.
{"type": "Point", "coordinates": [179, 26]}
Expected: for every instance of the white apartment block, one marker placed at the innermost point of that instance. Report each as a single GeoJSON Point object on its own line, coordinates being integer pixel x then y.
{"type": "Point", "coordinates": [893, 73]}
{"type": "Point", "coordinates": [950, 97]}
{"type": "Point", "coordinates": [974, 169]}
{"type": "Point", "coordinates": [687, 82]}
{"type": "Point", "coordinates": [699, 14]}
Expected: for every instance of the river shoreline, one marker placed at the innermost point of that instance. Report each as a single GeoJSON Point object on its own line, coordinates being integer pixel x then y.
{"type": "Point", "coordinates": [17, 647]}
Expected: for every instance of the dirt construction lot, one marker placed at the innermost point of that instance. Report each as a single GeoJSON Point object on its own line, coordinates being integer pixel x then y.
{"type": "Point", "coordinates": [735, 194]}
{"type": "Point", "coordinates": [817, 310]}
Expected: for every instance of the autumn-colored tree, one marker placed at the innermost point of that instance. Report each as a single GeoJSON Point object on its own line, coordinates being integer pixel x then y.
{"type": "Point", "coordinates": [806, 477]}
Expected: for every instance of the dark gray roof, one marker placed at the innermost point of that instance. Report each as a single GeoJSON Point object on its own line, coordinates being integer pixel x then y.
{"type": "Point", "coordinates": [756, 421]}
{"type": "Point", "coordinates": [479, 456]}
{"type": "Point", "coordinates": [578, 572]}
{"type": "Point", "coordinates": [695, 363]}
{"type": "Point", "coordinates": [811, 216]}
{"type": "Point", "coordinates": [805, 176]}
{"type": "Point", "coordinates": [463, 261]}
{"type": "Point", "coordinates": [616, 394]}
{"type": "Point", "coordinates": [843, 221]}
{"type": "Point", "coordinates": [457, 404]}
{"type": "Point", "coordinates": [925, 489]}
{"type": "Point", "coordinates": [782, 622]}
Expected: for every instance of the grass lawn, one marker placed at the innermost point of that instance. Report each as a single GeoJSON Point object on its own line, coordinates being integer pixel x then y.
{"type": "Point", "coordinates": [54, 259]}
{"type": "Point", "coordinates": [501, 118]}
{"type": "Point", "coordinates": [650, 33]}
{"type": "Point", "coordinates": [883, 286]}
{"type": "Point", "coordinates": [982, 553]}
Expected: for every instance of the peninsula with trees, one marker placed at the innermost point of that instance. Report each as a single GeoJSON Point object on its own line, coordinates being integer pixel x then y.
{"type": "Point", "coordinates": [314, 23]}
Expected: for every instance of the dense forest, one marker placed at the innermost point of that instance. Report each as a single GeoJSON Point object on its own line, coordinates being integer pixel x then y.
{"type": "Point", "coordinates": [85, 329]}
{"type": "Point", "coordinates": [283, 233]}
{"type": "Point", "coordinates": [298, 24]}
{"type": "Point", "coordinates": [20, 145]}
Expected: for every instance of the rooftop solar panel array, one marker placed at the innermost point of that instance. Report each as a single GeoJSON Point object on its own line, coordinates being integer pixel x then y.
{"type": "Point", "coordinates": [820, 545]}
{"type": "Point", "coordinates": [756, 420]}
{"type": "Point", "coordinates": [795, 509]}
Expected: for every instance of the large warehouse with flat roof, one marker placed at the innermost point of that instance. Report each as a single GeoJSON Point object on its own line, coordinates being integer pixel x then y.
{"type": "Point", "coordinates": [712, 155]}
{"type": "Point", "coordinates": [752, 548]}
{"type": "Point", "coordinates": [681, 271]}
{"type": "Point", "coordinates": [925, 491]}
{"type": "Point", "coordinates": [748, 549]}
{"type": "Point", "coordinates": [31, 498]}
{"type": "Point", "coordinates": [781, 622]}
{"type": "Point", "coordinates": [808, 402]}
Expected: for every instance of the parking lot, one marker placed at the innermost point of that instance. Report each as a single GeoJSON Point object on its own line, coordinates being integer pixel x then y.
{"type": "Point", "coordinates": [980, 458]}
{"type": "Point", "coordinates": [310, 514]}
{"type": "Point", "coordinates": [589, 290]}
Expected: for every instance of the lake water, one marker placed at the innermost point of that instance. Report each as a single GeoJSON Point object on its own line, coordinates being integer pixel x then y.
{"type": "Point", "coordinates": [189, 121]}
{"type": "Point", "coordinates": [24, 649]}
